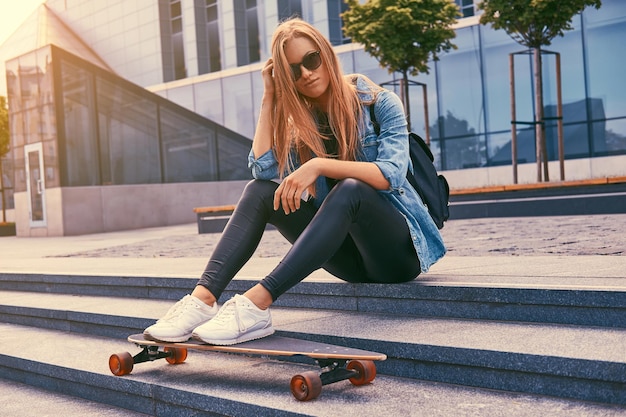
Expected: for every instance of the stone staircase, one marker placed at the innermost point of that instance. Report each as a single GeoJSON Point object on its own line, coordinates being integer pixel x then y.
{"type": "Point", "coordinates": [448, 345]}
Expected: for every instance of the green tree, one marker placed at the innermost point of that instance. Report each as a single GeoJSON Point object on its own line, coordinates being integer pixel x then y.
{"type": "Point", "coordinates": [402, 34]}
{"type": "Point", "coordinates": [534, 24]}
{"type": "Point", "coordinates": [4, 146]}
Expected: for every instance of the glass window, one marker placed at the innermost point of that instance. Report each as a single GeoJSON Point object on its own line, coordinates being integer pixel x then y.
{"type": "Point", "coordinates": [215, 56]}
{"type": "Point", "coordinates": [466, 7]}
{"type": "Point", "coordinates": [29, 81]}
{"type": "Point", "coordinates": [247, 32]}
{"type": "Point", "coordinates": [460, 80]}
{"type": "Point", "coordinates": [180, 71]}
{"type": "Point", "coordinates": [129, 147]}
{"type": "Point", "coordinates": [252, 26]}
{"type": "Point", "coordinates": [213, 36]}
{"type": "Point", "coordinates": [208, 100]}
{"type": "Point", "coordinates": [238, 111]}
{"type": "Point", "coordinates": [335, 22]}
{"type": "Point", "coordinates": [233, 157]}
{"type": "Point", "coordinates": [365, 64]}
{"type": "Point", "coordinates": [47, 128]}
{"type": "Point", "coordinates": [189, 149]}
{"type": "Point", "coordinates": [497, 46]}
{"type": "Point", "coordinates": [80, 142]}
{"type": "Point", "coordinates": [289, 8]}
{"type": "Point", "coordinates": [416, 93]}
{"type": "Point", "coordinates": [605, 31]}
{"type": "Point", "coordinates": [613, 135]}
{"type": "Point", "coordinates": [572, 73]}
{"type": "Point", "coordinates": [183, 96]}
{"type": "Point", "coordinates": [177, 41]}
{"type": "Point", "coordinates": [465, 152]}
{"type": "Point", "coordinates": [460, 126]}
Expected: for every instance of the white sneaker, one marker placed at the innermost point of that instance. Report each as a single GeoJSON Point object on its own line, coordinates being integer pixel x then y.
{"type": "Point", "coordinates": [184, 316]}
{"type": "Point", "coordinates": [239, 320]}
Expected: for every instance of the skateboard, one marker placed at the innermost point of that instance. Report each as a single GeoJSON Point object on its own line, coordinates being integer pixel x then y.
{"type": "Point", "coordinates": [336, 363]}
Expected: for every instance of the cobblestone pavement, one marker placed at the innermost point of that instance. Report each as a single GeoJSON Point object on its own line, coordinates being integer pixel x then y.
{"type": "Point", "coordinates": [558, 235]}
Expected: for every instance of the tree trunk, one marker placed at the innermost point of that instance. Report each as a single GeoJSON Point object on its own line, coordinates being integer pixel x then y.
{"type": "Point", "coordinates": [405, 98]}
{"type": "Point", "coordinates": [540, 144]}
{"type": "Point", "coordinates": [4, 212]}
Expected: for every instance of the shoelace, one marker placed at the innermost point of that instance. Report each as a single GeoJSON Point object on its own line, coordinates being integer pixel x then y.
{"type": "Point", "coordinates": [227, 312]}
{"type": "Point", "coordinates": [176, 310]}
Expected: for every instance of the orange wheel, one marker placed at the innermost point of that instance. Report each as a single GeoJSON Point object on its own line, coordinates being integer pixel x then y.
{"type": "Point", "coordinates": [121, 363]}
{"type": "Point", "coordinates": [366, 370]}
{"type": "Point", "coordinates": [306, 386]}
{"type": "Point", "coordinates": [177, 355]}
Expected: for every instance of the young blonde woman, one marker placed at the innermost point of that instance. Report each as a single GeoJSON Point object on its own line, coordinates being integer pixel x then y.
{"type": "Point", "coordinates": [333, 188]}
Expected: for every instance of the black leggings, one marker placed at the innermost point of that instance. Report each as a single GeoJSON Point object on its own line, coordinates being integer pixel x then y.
{"type": "Point", "coordinates": [356, 235]}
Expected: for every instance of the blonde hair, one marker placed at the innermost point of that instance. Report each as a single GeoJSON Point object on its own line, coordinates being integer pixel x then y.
{"type": "Point", "coordinates": [294, 123]}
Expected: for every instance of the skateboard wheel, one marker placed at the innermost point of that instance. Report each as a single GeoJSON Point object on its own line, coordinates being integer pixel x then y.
{"type": "Point", "coordinates": [366, 370]}
{"type": "Point", "coordinates": [306, 386]}
{"type": "Point", "coordinates": [177, 355]}
{"type": "Point", "coordinates": [121, 363]}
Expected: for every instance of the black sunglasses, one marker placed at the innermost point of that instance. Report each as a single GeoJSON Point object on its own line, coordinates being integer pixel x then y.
{"type": "Point", "coordinates": [311, 61]}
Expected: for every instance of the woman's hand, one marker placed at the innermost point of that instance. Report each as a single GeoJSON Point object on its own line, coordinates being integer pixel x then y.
{"type": "Point", "coordinates": [268, 78]}
{"type": "Point", "coordinates": [262, 141]}
{"type": "Point", "coordinates": [289, 192]}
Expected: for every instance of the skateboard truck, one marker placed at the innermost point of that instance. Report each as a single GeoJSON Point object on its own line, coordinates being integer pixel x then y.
{"type": "Point", "coordinates": [308, 385]}
{"type": "Point", "coordinates": [122, 363]}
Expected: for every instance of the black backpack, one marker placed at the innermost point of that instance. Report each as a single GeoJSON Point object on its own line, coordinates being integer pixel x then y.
{"type": "Point", "coordinates": [431, 187]}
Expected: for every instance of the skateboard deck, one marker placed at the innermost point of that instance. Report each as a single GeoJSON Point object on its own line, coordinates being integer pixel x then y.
{"type": "Point", "coordinates": [337, 363]}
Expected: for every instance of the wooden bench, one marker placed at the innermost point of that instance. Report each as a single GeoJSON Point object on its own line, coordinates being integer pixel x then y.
{"type": "Point", "coordinates": [213, 219]}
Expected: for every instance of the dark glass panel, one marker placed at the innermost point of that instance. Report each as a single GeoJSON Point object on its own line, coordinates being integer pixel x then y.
{"type": "Point", "coordinates": [189, 150]}
{"type": "Point", "coordinates": [605, 31]}
{"type": "Point", "coordinates": [80, 145]}
{"type": "Point", "coordinates": [129, 145]}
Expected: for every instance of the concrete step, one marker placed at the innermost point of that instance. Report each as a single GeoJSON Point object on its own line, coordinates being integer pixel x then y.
{"type": "Point", "coordinates": [549, 201]}
{"type": "Point", "coordinates": [585, 363]}
{"type": "Point", "coordinates": [574, 301]}
{"type": "Point", "coordinates": [225, 384]}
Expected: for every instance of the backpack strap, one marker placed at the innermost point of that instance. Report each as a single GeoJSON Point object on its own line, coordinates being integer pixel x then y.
{"type": "Point", "coordinates": [374, 121]}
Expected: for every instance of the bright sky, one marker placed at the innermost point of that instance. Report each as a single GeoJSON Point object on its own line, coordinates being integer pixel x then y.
{"type": "Point", "coordinates": [13, 13]}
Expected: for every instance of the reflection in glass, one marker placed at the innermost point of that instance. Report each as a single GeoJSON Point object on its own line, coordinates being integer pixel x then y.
{"type": "Point", "coordinates": [189, 150]}
{"type": "Point", "coordinates": [615, 136]}
{"type": "Point", "coordinates": [605, 33]}
{"type": "Point", "coordinates": [208, 100]}
{"type": "Point", "coordinates": [80, 145]}
{"type": "Point", "coordinates": [238, 113]}
{"type": "Point", "coordinates": [460, 78]}
{"type": "Point", "coordinates": [129, 150]}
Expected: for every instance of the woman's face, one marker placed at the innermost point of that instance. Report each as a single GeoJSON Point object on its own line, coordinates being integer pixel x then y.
{"type": "Point", "coordinates": [313, 83]}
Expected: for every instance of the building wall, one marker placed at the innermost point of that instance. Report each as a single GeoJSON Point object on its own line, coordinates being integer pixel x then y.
{"type": "Point", "coordinates": [83, 210]}
{"type": "Point", "coordinates": [125, 33]}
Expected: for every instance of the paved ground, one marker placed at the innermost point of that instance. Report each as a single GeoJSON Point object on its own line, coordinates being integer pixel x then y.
{"type": "Point", "coordinates": [518, 236]}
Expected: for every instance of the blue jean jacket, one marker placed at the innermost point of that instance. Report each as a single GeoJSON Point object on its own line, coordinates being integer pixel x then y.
{"type": "Point", "coordinates": [390, 152]}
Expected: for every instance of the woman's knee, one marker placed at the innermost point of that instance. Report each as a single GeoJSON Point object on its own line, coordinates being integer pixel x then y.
{"type": "Point", "coordinates": [260, 187]}
{"type": "Point", "coordinates": [352, 190]}
{"type": "Point", "coordinates": [351, 185]}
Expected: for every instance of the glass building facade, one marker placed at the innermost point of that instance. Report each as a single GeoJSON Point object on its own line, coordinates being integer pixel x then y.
{"type": "Point", "coordinates": [469, 102]}
{"type": "Point", "coordinates": [98, 129]}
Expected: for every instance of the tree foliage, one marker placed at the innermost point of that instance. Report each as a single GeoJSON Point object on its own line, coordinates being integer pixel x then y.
{"type": "Point", "coordinates": [533, 23]}
{"type": "Point", "coordinates": [402, 34]}
{"type": "Point", "coordinates": [4, 127]}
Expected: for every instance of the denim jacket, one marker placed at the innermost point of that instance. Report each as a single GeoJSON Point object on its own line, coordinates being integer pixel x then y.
{"type": "Point", "coordinates": [390, 152]}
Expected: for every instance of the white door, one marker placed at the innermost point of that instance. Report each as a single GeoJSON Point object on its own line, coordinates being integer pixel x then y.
{"type": "Point", "coordinates": [35, 184]}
